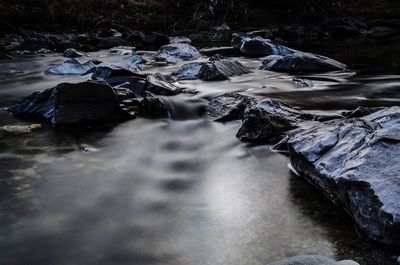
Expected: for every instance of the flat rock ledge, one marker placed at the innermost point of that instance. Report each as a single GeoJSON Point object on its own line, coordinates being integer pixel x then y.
{"type": "Point", "coordinates": [354, 159]}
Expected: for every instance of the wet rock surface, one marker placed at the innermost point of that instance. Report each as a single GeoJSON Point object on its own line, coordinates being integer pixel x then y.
{"type": "Point", "coordinates": [217, 68]}
{"type": "Point", "coordinates": [356, 165]}
{"type": "Point", "coordinates": [313, 260]}
{"type": "Point", "coordinates": [301, 62]}
{"type": "Point", "coordinates": [173, 53]}
{"type": "Point", "coordinates": [68, 104]}
{"type": "Point", "coordinates": [72, 53]}
{"type": "Point", "coordinates": [71, 67]}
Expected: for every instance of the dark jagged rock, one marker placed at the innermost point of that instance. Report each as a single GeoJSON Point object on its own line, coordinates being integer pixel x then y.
{"type": "Point", "coordinates": [121, 78]}
{"type": "Point", "coordinates": [72, 53]}
{"type": "Point", "coordinates": [221, 69]}
{"type": "Point", "coordinates": [68, 104]}
{"type": "Point", "coordinates": [131, 63]}
{"type": "Point", "coordinates": [189, 71]}
{"type": "Point", "coordinates": [256, 46]}
{"type": "Point", "coordinates": [71, 67]}
{"type": "Point", "coordinates": [267, 121]}
{"type": "Point", "coordinates": [148, 40]}
{"type": "Point", "coordinates": [302, 62]}
{"type": "Point", "coordinates": [228, 107]}
{"type": "Point", "coordinates": [153, 106]}
{"type": "Point", "coordinates": [356, 164]}
{"type": "Point", "coordinates": [217, 68]}
{"type": "Point", "coordinates": [313, 260]}
{"type": "Point", "coordinates": [159, 85]}
{"type": "Point", "coordinates": [360, 112]}
{"type": "Point", "coordinates": [173, 53]}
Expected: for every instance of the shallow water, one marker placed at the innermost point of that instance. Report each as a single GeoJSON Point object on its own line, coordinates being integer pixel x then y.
{"type": "Point", "coordinates": [181, 190]}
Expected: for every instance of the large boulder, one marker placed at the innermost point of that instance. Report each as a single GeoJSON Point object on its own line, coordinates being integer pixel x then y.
{"type": "Point", "coordinates": [217, 68]}
{"type": "Point", "coordinates": [68, 104]}
{"type": "Point", "coordinates": [71, 67]}
{"type": "Point", "coordinates": [313, 260]}
{"type": "Point", "coordinates": [228, 107]}
{"type": "Point", "coordinates": [301, 62]}
{"type": "Point", "coordinates": [256, 46]}
{"type": "Point", "coordinates": [355, 162]}
{"type": "Point", "coordinates": [173, 53]}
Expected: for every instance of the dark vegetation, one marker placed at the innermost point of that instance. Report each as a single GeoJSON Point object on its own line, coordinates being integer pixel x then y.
{"type": "Point", "coordinates": [170, 15]}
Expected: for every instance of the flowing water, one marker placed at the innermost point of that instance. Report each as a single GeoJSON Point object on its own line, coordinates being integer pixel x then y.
{"type": "Point", "coordinates": [181, 190]}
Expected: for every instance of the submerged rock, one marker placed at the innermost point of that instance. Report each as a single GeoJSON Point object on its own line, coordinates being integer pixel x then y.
{"type": "Point", "coordinates": [313, 260]}
{"type": "Point", "coordinates": [173, 53]}
{"type": "Point", "coordinates": [72, 53]}
{"type": "Point", "coordinates": [301, 62]}
{"type": "Point", "coordinates": [356, 163]}
{"type": "Point", "coordinates": [217, 68]}
{"type": "Point", "coordinates": [131, 63]}
{"type": "Point", "coordinates": [71, 67]}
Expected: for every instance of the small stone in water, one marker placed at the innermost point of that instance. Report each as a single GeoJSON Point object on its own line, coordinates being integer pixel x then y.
{"type": "Point", "coordinates": [20, 129]}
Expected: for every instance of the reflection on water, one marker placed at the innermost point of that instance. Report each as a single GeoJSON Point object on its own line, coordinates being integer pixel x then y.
{"type": "Point", "coordinates": [176, 191]}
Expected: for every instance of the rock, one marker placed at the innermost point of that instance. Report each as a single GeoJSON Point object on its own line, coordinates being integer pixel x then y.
{"type": "Point", "coordinates": [153, 106]}
{"type": "Point", "coordinates": [122, 50]}
{"type": "Point", "coordinates": [36, 43]}
{"type": "Point", "coordinates": [345, 28]}
{"type": "Point", "coordinates": [268, 121]}
{"type": "Point", "coordinates": [221, 69]}
{"type": "Point", "coordinates": [225, 51]}
{"type": "Point", "coordinates": [104, 73]}
{"type": "Point", "coordinates": [148, 40]}
{"type": "Point", "coordinates": [211, 38]}
{"type": "Point", "coordinates": [68, 104]}
{"type": "Point", "coordinates": [20, 129]}
{"type": "Point", "coordinates": [174, 53]}
{"type": "Point", "coordinates": [72, 53]}
{"type": "Point", "coordinates": [302, 62]}
{"type": "Point", "coordinates": [215, 69]}
{"type": "Point", "coordinates": [5, 56]}
{"type": "Point", "coordinates": [313, 260]}
{"type": "Point", "coordinates": [180, 39]}
{"type": "Point", "coordinates": [382, 32]}
{"type": "Point", "coordinates": [131, 63]}
{"type": "Point", "coordinates": [189, 71]}
{"type": "Point", "coordinates": [11, 42]}
{"type": "Point", "coordinates": [71, 67]}
{"type": "Point", "coordinates": [356, 163]}
{"type": "Point", "coordinates": [255, 46]}
{"type": "Point", "coordinates": [159, 85]}
{"type": "Point", "coordinates": [121, 78]}
{"type": "Point", "coordinates": [228, 107]}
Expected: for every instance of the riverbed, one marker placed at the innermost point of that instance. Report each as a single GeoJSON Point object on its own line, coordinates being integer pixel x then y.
{"type": "Point", "coordinates": [180, 190]}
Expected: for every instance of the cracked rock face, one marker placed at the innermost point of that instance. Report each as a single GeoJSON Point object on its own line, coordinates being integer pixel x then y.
{"type": "Point", "coordinates": [356, 164]}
